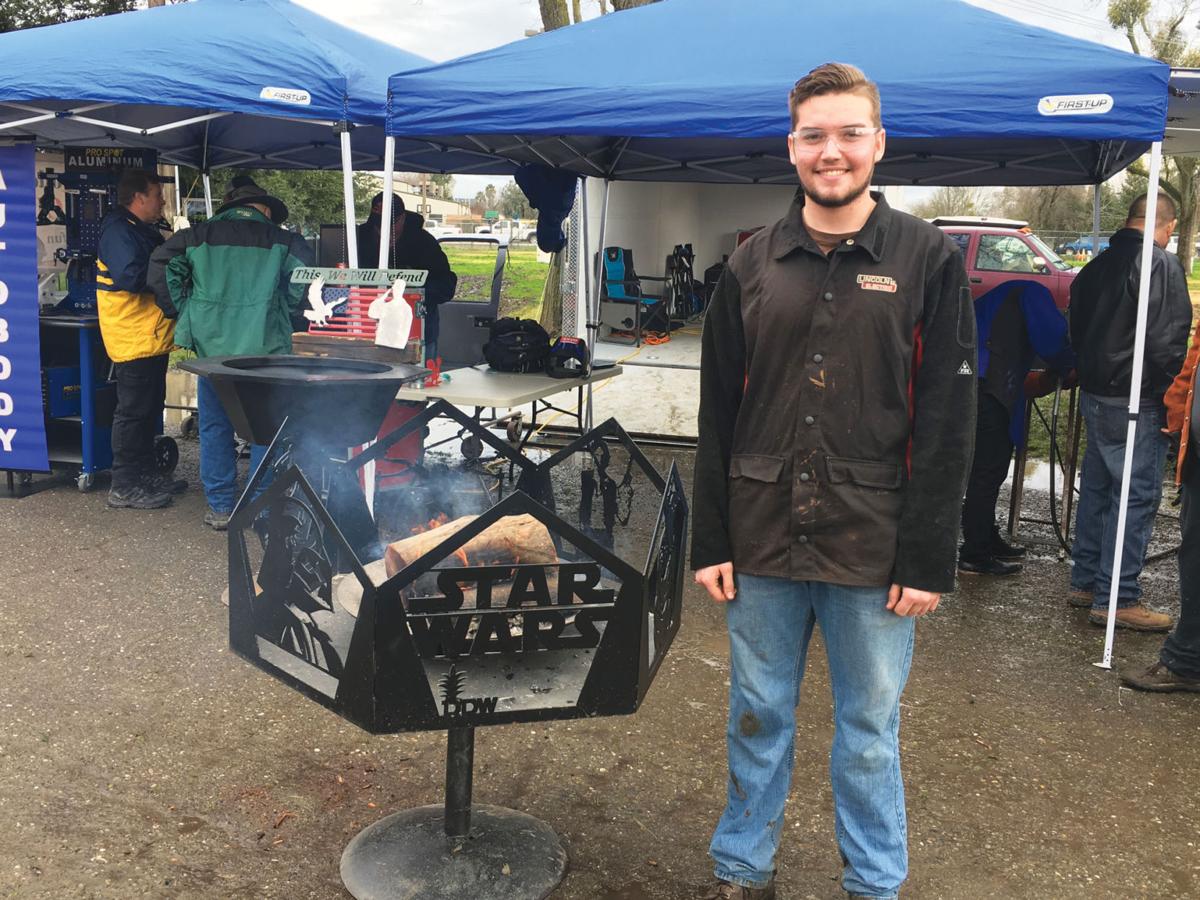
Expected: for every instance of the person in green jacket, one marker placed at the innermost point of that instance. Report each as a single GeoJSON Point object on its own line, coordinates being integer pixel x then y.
{"type": "Point", "coordinates": [227, 284]}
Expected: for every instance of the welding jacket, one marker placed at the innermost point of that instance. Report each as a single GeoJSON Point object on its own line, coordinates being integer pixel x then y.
{"type": "Point", "coordinates": [132, 325]}
{"type": "Point", "coordinates": [837, 406]}
{"type": "Point", "coordinates": [1183, 404]}
{"type": "Point", "coordinates": [227, 282]}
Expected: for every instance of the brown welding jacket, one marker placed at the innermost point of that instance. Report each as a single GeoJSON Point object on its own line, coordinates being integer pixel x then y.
{"type": "Point", "coordinates": [837, 406]}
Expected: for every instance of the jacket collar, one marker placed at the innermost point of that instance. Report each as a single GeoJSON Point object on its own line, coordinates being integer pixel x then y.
{"type": "Point", "coordinates": [241, 213]}
{"type": "Point", "coordinates": [135, 222]}
{"type": "Point", "coordinates": [792, 234]}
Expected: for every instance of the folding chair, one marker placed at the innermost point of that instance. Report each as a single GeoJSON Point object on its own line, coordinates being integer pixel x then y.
{"type": "Point", "coordinates": [624, 305]}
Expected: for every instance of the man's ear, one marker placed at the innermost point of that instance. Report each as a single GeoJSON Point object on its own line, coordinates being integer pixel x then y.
{"type": "Point", "coordinates": [880, 144]}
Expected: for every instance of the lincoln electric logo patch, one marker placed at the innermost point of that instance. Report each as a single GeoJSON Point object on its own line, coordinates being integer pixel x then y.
{"type": "Point", "coordinates": [1076, 105]}
{"type": "Point", "coordinates": [877, 283]}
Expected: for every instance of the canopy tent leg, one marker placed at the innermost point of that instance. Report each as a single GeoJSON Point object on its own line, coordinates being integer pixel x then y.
{"type": "Point", "coordinates": [178, 198]}
{"type": "Point", "coordinates": [385, 231]}
{"type": "Point", "coordinates": [208, 207]}
{"type": "Point", "coordinates": [1135, 396]}
{"type": "Point", "coordinates": [590, 328]}
{"type": "Point", "coordinates": [348, 193]}
{"type": "Point", "coordinates": [1095, 221]}
{"type": "Point", "coordinates": [594, 296]}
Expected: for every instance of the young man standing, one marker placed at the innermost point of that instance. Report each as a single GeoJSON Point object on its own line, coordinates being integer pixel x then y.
{"type": "Point", "coordinates": [837, 411]}
{"type": "Point", "coordinates": [137, 338]}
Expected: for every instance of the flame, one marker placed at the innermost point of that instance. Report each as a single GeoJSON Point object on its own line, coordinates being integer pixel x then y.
{"type": "Point", "coordinates": [461, 554]}
{"type": "Point", "coordinates": [436, 522]}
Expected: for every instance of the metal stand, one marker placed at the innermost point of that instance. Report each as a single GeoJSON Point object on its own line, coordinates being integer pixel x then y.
{"type": "Point", "coordinates": [454, 851]}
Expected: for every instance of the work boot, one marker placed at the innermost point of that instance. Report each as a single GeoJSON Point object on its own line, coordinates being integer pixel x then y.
{"type": "Point", "coordinates": [987, 565]}
{"type": "Point", "coordinates": [1160, 679]}
{"type": "Point", "coordinates": [161, 483]}
{"type": "Point", "coordinates": [137, 497]}
{"type": "Point", "coordinates": [724, 890]}
{"type": "Point", "coordinates": [1004, 551]}
{"type": "Point", "coordinates": [1080, 599]}
{"type": "Point", "coordinates": [1135, 618]}
{"type": "Point", "coordinates": [217, 521]}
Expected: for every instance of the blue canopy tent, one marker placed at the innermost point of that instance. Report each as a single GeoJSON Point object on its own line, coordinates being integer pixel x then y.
{"type": "Point", "coordinates": [696, 90]}
{"type": "Point", "coordinates": [213, 83]}
{"type": "Point", "coordinates": [664, 93]}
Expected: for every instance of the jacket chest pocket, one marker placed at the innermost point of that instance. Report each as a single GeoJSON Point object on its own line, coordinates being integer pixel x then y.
{"type": "Point", "coordinates": [865, 473]}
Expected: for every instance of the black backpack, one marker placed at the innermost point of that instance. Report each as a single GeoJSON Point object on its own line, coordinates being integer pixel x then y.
{"type": "Point", "coordinates": [517, 345]}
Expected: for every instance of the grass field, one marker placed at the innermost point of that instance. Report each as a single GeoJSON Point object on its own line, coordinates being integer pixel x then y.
{"type": "Point", "coordinates": [521, 288]}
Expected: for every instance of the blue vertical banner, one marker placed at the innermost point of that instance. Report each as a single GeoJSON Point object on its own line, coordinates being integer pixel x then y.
{"type": "Point", "coordinates": [22, 425]}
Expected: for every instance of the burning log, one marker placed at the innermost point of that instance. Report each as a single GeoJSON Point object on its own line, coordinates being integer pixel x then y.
{"type": "Point", "coordinates": [512, 540]}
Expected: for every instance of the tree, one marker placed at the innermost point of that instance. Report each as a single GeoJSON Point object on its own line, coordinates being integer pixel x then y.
{"type": "Point", "coordinates": [18, 14]}
{"type": "Point", "coordinates": [442, 186]}
{"type": "Point", "coordinates": [313, 198]}
{"type": "Point", "coordinates": [953, 201]}
{"type": "Point", "coordinates": [1048, 209]}
{"type": "Point", "coordinates": [554, 14]}
{"type": "Point", "coordinates": [513, 204]}
{"type": "Point", "coordinates": [1162, 37]}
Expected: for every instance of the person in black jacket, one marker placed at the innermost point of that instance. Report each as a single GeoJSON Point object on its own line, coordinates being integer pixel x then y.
{"type": "Point", "coordinates": [1104, 302]}
{"type": "Point", "coordinates": [412, 247]}
{"type": "Point", "coordinates": [837, 415]}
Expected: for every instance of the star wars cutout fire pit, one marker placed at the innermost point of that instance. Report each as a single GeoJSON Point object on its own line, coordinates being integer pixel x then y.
{"type": "Point", "coordinates": [513, 615]}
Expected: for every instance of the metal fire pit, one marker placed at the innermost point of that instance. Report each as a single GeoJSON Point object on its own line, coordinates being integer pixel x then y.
{"type": "Point", "coordinates": [416, 660]}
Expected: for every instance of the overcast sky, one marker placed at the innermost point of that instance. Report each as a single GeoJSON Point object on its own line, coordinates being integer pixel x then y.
{"type": "Point", "coordinates": [444, 29]}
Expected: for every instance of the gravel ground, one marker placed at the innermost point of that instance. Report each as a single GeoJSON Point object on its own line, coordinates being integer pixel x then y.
{"type": "Point", "coordinates": [139, 757]}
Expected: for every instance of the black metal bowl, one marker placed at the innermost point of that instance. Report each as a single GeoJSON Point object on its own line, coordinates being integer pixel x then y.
{"type": "Point", "coordinates": [329, 400]}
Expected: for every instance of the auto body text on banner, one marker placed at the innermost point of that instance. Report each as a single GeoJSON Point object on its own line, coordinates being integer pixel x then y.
{"type": "Point", "coordinates": [22, 427]}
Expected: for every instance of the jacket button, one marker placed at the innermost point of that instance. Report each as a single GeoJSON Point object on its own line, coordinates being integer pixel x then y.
{"type": "Point", "coordinates": [817, 357]}
{"type": "Point", "coordinates": [828, 295]}
{"type": "Point", "coordinates": [804, 476]}
{"type": "Point", "coordinates": [850, 242]}
{"type": "Point", "coordinates": [803, 539]}
{"type": "Point", "coordinates": [809, 420]}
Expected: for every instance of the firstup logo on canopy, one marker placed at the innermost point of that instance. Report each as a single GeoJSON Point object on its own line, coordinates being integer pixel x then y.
{"type": "Point", "coordinates": [1076, 105]}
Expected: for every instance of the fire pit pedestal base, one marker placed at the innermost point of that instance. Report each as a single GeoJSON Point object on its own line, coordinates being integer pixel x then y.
{"type": "Point", "coordinates": [457, 850]}
{"type": "Point", "coordinates": [507, 855]}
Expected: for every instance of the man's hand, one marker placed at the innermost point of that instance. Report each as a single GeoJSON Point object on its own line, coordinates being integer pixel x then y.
{"type": "Point", "coordinates": [718, 581]}
{"type": "Point", "coordinates": [906, 601]}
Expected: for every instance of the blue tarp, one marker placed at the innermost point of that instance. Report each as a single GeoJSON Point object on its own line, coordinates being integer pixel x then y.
{"type": "Point", "coordinates": [259, 60]}
{"type": "Point", "coordinates": [696, 90]}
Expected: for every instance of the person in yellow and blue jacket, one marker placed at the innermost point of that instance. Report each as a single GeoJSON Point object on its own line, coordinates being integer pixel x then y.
{"type": "Point", "coordinates": [138, 339]}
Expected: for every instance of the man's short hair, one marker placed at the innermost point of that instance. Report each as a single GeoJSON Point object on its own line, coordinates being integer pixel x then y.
{"type": "Point", "coordinates": [835, 78]}
{"type": "Point", "coordinates": [1164, 209]}
{"type": "Point", "coordinates": [397, 204]}
{"type": "Point", "coordinates": [134, 181]}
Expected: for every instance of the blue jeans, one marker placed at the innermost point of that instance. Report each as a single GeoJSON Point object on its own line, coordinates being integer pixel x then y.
{"type": "Point", "coordinates": [1100, 494]}
{"type": "Point", "coordinates": [869, 651]}
{"type": "Point", "coordinates": [218, 451]}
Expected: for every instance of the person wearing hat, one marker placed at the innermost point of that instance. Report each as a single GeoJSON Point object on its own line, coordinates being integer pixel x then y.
{"type": "Point", "coordinates": [227, 284]}
{"type": "Point", "coordinates": [412, 247]}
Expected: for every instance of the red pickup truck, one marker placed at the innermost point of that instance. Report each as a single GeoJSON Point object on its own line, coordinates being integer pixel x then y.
{"type": "Point", "coordinates": [999, 250]}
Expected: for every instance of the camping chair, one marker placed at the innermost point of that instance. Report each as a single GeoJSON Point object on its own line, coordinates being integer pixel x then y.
{"type": "Point", "coordinates": [624, 306]}
{"type": "Point", "coordinates": [686, 298]}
